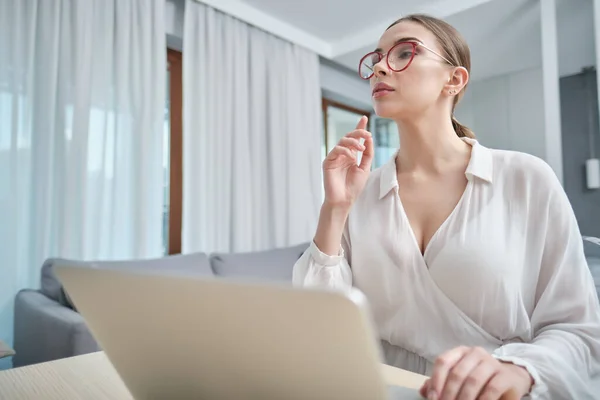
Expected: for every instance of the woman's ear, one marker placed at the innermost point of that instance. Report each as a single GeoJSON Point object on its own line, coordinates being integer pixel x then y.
{"type": "Point", "coordinates": [457, 81]}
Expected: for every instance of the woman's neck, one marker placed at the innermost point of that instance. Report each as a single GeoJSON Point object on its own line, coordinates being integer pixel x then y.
{"type": "Point", "coordinates": [430, 145]}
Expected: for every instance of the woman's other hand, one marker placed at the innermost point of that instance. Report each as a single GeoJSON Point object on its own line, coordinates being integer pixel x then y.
{"type": "Point", "coordinates": [470, 373]}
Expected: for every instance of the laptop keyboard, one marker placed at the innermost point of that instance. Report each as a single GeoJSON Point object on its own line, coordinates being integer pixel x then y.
{"type": "Point", "coordinates": [401, 393]}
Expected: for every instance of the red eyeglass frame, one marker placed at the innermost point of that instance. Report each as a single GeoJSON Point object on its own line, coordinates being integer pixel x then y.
{"type": "Point", "coordinates": [387, 58]}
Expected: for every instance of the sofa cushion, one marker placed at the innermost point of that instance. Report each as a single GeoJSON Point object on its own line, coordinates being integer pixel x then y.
{"type": "Point", "coordinates": [272, 265]}
{"type": "Point", "coordinates": [591, 247]}
{"type": "Point", "coordinates": [594, 264]}
{"type": "Point", "coordinates": [51, 286]}
{"type": "Point", "coordinates": [195, 264]}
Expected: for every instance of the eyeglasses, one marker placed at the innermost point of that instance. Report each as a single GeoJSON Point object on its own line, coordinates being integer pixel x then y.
{"type": "Point", "coordinates": [398, 58]}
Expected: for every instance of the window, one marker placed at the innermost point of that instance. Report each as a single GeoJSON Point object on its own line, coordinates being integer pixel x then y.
{"type": "Point", "coordinates": [386, 140]}
{"type": "Point", "coordinates": [172, 155]}
{"type": "Point", "coordinates": [339, 119]}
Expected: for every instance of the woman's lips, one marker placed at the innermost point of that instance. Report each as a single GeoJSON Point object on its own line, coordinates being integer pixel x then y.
{"type": "Point", "coordinates": [382, 89]}
{"type": "Point", "coordinates": [381, 93]}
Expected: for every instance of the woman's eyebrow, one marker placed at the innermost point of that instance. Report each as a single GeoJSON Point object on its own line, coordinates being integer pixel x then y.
{"type": "Point", "coordinates": [404, 39]}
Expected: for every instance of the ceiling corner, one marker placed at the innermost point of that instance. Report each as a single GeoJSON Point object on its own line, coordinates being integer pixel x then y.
{"type": "Point", "coordinates": [275, 26]}
{"type": "Point", "coordinates": [369, 36]}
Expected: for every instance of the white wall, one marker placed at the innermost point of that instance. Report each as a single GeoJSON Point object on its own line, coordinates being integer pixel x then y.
{"type": "Point", "coordinates": [575, 26]}
{"type": "Point", "coordinates": [505, 36]}
{"type": "Point", "coordinates": [174, 17]}
{"type": "Point", "coordinates": [174, 23]}
{"type": "Point", "coordinates": [353, 90]}
{"type": "Point", "coordinates": [507, 112]}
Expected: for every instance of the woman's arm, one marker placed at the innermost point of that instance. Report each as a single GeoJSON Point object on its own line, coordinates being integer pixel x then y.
{"type": "Point", "coordinates": [331, 228]}
{"type": "Point", "coordinates": [564, 355]}
{"type": "Point", "coordinates": [562, 358]}
{"type": "Point", "coordinates": [325, 262]}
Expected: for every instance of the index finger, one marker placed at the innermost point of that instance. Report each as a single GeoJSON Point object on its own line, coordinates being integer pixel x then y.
{"type": "Point", "coordinates": [362, 122]}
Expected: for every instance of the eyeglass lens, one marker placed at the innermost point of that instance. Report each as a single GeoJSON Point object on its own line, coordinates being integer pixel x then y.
{"type": "Point", "coordinates": [398, 57]}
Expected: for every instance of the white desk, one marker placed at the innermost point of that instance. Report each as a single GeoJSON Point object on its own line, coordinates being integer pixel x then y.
{"type": "Point", "coordinates": [92, 377]}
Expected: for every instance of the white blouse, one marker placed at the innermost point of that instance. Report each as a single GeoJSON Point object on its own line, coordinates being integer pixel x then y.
{"type": "Point", "coordinates": [506, 271]}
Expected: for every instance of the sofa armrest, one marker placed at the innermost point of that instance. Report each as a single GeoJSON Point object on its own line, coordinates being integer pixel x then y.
{"type": "Point", "coordinates": [45, 330]}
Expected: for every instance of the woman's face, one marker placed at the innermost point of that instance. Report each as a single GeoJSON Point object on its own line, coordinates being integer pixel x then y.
{"type": "Point", "coordinates": [420, 86]}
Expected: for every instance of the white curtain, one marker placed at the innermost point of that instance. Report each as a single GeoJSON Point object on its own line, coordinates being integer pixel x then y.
{"type": "Point", "coordinates": [82, 94]}
{"type": "Point", "coordinates": [252, 136]}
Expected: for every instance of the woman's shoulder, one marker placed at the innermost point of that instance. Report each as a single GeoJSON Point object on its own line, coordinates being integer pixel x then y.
{"type": "Point", "coordinates": [525, 170]}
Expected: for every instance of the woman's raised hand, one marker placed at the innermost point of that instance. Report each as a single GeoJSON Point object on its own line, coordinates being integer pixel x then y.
{"type": "Point", "coordinates": [344, 179]}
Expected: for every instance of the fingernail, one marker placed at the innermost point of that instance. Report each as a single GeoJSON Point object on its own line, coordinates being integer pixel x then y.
{"type": "Point", "coordinates": [432, 395]}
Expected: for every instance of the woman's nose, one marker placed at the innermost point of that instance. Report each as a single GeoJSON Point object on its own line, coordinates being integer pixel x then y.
{"type": "Point", "coordinates": [380, 69]}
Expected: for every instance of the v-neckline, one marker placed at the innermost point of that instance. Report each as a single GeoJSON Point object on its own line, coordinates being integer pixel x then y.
{"type": "Point", "coordinates": [423, 255]}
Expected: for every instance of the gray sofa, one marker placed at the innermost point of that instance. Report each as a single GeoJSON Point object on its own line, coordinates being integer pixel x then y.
{"type": "Point", "coordinates": [47, 326]}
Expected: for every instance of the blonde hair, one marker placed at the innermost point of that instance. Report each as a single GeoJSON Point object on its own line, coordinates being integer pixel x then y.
{"type": "Point", "coordinates": [454, 48]}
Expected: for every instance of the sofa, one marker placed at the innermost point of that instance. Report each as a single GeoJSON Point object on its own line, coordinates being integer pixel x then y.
{"type": "Point", "coordinates": [47, 325]}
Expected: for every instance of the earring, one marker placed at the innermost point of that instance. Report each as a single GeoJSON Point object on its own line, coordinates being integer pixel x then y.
{"type": "Point", "coordinates": [452, 91]}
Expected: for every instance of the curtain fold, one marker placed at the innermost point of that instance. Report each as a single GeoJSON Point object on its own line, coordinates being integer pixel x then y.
{"type": "Point", "coordinates": [82, 95]}
{"type": "Point", "coordinates": [252, 133]}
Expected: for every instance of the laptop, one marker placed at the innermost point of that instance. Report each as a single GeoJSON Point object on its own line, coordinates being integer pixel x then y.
{"type": "Point", "coordinates": [207, 338]}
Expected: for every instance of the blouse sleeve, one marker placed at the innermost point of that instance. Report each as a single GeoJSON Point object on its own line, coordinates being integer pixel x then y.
{"type": "Point", "coordinates": [564, 356]}
{"type": "Point", "coordinates": [315, 268]}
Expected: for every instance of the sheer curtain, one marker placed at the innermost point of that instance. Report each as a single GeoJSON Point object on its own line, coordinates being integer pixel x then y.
{"type": "Point", "coordinates": [252, 134]}
{"type": "Point", "coordinates": [81, 111]}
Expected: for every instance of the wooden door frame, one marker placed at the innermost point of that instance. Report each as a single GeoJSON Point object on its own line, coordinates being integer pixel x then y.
{"type": "Point", "coordinates": [325, 102]}
{"type": "Point", "coordinates": [175, 60]}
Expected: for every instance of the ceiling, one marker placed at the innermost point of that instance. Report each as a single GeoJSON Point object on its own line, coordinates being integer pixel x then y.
{"type": "Point", "coordinates": [504, 35]}
{"type": "Point", "coordinates": [334, 21]}
{"type": "Point", "coordinates": [334, 28]}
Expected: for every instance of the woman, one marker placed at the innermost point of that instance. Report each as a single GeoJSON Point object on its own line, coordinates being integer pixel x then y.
{"type": "Point", "coordinates": [471, 258]}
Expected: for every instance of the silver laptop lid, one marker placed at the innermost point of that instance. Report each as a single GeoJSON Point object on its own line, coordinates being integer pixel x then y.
{"type": "Point", "coordinates": [175, 337]}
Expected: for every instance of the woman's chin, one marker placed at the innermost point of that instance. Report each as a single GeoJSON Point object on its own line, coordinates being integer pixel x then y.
{"type": "Point", "coordinates": [384, 110]}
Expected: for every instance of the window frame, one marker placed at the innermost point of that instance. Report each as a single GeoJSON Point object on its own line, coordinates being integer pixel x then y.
{"type": "Point", "coordinates": [325, 103]}
{"type": "Point", "coordinates": [175, 67]}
